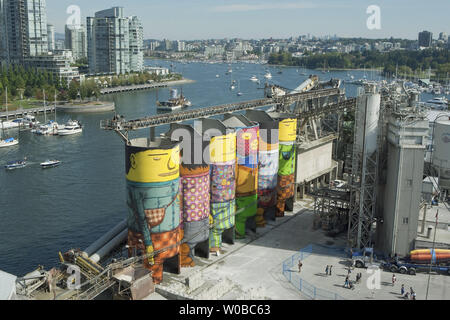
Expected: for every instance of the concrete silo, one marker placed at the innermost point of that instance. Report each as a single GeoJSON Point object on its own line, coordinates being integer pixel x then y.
{"type": "Point", "coordinates": [247, 133]}
{"type": "Point", "coordinates": [195, 189]}
{"type": "Point", "coordinates": [441, 154]}
{"type": "Point", "coordinates": [267, 165]}
{"type": "Point", "coordinates": [153, 199]}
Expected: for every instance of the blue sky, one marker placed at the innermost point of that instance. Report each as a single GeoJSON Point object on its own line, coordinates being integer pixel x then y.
{"type": "Point", "coordinates": [205, 19]}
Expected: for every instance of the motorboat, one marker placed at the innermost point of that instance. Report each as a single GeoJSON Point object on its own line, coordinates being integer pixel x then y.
{"type": "Point", "coordinates": [268, 75]}
{"type": "Point", "coordinates": [254, 79]}
{"type": "Point", "coordinates": [49, 129]}
{"type": "Point", "coordinates": [71, 127]}
{"type": "Point", "coordinates": [9, 125]}
{"type": "Point", "coordinates": [440, 103]}
{"type": "Point", "coordinates": [16, 164]}
{"type": "Point", "coordinates": [8, 142]}
{"type": "Point", "coordinates": [175, 102]}
{"type": "Point", "coordinates": [50, 164]}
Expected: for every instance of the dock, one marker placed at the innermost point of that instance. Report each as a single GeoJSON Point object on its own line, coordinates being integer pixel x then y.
{"type": "Point", "coordinates": [22, 112]}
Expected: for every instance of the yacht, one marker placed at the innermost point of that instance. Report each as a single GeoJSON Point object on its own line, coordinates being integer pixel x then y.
{"type": "Point", "coordinates": [9, 125]}
{"type": "Point", "coordinates": [71, 127]}
{"type": "Point", "coordinates": [50, 164]}
{"type": "Point", "coordinates": [49, 129]}
{"type": "Point", "coordinates": [175, 102]}
{"type": "Point", "coordinates": [254, 79]}
{"type": "Point", "coordinates": [8, 142]}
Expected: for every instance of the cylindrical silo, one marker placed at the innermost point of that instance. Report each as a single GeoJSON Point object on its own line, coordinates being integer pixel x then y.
{"type": "Point", "coordinates": [195, 186]}
{"type": "Point", "coordinates": [287, 154]}
{"type": "Point", "coordinates": [286, 176]}
{"type": "Point", "coordinates": [153, 199]}
{"type": "Point", "coordinates": [222, 159]}
{"type": "Point", "coordinates": [247, 133]}
{"type": "Point", "coordinates": [367, 116]}
{"type": "Point", "coordinates": [267, 164]}
{"type": "Point", "coordinates": [441, 153]}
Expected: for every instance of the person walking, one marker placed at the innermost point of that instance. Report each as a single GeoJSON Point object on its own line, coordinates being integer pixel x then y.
{"type": "Point", "coordinates": [393, 279]}
{"type": "Point", "coordinates": [330, 269]}
{"type": "Point", "coordinates": [413, 294]}
{"type": "Point", "coordinates": [326, 270]}
{"type": "Point", "coordinates": [300, 264]}
{"type": "Point", "coordinates": [402, 290]}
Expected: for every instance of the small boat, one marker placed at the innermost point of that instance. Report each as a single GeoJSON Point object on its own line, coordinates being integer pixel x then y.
{"type": "Point", "coordinates": [254, 79]}
{"type": "Point", "coordinates": [9, 125]}
{"type": "Point", "coordinates": [8, 142]}
{"type": "Point", "coordinates": [16, 164]}
{"type": "Point", "coordinates": [50, 164]}
{"type": "Point", "coordinates": [438, 103]}
{"type": "Point", "coordinates": [268, 75]}
{"type": "Point", "coordinates": [71, 127]}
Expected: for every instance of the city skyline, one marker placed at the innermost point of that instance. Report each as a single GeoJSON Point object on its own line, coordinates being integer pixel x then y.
{"type": "Point", "coordinates": [257, 19]}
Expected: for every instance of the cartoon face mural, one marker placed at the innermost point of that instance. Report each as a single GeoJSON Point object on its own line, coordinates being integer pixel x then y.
{"type": "Point", "coordinates": [288, 130]}
{"type": "Point", "coordinates": [223, 148]}
{"type": "Point", "coordinates": [152, 165]}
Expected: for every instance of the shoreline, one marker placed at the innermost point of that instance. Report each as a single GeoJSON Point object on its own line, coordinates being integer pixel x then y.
{"type": "Point", "coordinates": [138, 87]}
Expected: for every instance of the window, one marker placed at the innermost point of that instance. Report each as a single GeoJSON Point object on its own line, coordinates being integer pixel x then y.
{"type": "Point", "coordinates": [405, 220]}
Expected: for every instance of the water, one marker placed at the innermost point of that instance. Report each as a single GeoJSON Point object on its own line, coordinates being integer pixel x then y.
{"type": "Point", "coordinates": [70, 206]}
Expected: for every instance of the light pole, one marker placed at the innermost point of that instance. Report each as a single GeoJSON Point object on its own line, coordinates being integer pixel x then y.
{"type": "Point", "coordinates": [432, 253]}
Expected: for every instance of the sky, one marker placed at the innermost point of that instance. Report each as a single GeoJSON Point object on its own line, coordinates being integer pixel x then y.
{"type": "Point", "coordinates": [257, 19]}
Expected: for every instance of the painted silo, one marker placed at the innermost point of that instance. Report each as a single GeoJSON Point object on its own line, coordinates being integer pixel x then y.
{"type": "Point", "coordinates": [247, 133]}
{"type": "Point", "coordinates": [267, 165]}
{"type": "Point", "coordinates": [195, 186]}
{"type": "Point", "coordinates": [222, 159]}
{"type": "Point", "coordinates": [153, 199]}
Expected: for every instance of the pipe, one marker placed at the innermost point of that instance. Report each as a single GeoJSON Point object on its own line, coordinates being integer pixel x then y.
{"type": "Point", "coordinates": [102, 241]}
{"type": "Point", "coordinates": [111, 245]}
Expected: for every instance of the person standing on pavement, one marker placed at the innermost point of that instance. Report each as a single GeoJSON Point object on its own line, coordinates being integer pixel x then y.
{"type": "Point", "coordinates": [402, 290]}
{"type": "Point", "coordinates": [300, 264]}
{"type": "Point", "coordinates": [330, 269]}
{"type": "Point", "coordinates": [393, 279]}
{"type": "Point", "coordinates": [326, 270]}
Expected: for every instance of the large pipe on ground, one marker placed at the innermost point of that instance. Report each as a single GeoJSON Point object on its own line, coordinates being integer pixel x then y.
{"type": "Point", "coordinates": [110, 246]}
{"type": "Point", "coordinates": [105, 239]}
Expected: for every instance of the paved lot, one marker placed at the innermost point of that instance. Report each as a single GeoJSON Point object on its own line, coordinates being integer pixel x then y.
{"type": "Point", "coordinates": [252, 268]}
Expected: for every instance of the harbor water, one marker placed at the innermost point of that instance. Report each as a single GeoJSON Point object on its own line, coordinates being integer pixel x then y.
{"type": "Point", "coordinates": [70, 206]}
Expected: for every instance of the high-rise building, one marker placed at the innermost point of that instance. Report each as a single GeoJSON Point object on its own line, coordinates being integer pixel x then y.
{"type": "Point", "coordinates": [51, 37]}
{"type": "Point", "coordinates": [75, 40]}
{"type": "Point", "coordinates": [136, 44]}
{"type": "Point", "coordinates": [3, 37]}
{"type": "Point", "coordinates": [109, 38]}
{"type": "Point", "coordinates": [25, 29]}
{"type": "Point", "coordinates": [443, 36]}
{"type": "Point", "coordinates": [425, 39]}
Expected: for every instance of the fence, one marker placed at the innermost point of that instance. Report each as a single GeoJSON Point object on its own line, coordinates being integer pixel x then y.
{"type": "Point", "coordinates": [304, 286]}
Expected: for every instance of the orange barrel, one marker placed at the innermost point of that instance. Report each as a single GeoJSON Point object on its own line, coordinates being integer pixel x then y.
{"type": "Point", "coordinates": [153, 199]}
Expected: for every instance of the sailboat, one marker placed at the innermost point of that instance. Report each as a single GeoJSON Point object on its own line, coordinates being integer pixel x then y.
{"type": "Point", "coordinates": [49, 128]}
{"type": "Point", "coordinates": [8, 124]}
{"type": "Point", "coordinates": [8, 142]}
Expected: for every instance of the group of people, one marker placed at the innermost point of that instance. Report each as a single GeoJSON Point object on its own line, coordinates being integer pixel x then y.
{"type": "Point", "coordinates": [328, 270]}
{"type": "Point", "coordinates": [408, 295]}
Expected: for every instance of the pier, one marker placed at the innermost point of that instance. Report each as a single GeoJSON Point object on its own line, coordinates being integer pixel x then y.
{"type": "Point", "coordinates": [22, 112]}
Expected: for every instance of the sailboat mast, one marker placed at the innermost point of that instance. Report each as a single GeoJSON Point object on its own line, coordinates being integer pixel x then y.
{"type": "Point", "coordinates": [45, 111]}
{"type": "Point", "coordinates": [6, 96]}
{"type": "Point", "coordinates": [55, 105]}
